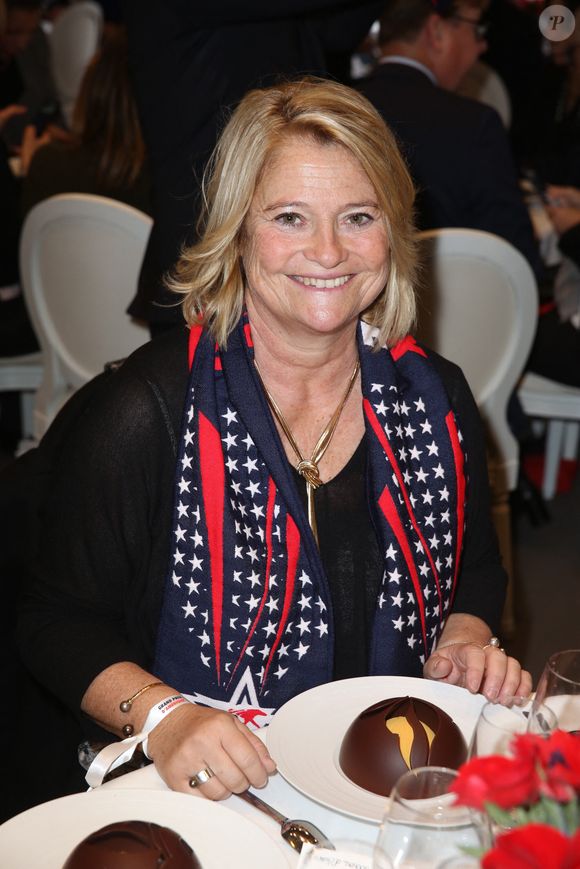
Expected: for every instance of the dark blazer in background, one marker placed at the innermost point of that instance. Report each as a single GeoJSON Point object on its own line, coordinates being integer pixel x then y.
{"type": "Point", "coordinates": [191, 62]}
{"type": "Point", "coordinates": [458, 154]}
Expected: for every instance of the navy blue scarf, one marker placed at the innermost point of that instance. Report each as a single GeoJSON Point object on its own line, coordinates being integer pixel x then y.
{"type": "Point", "coordinates": [247, 617]}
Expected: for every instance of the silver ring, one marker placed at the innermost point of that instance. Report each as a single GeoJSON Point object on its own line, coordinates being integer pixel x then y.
{"type": "Point", "coordinates": [494, 643]}
{"type": "Point", "coordinates": [201, 777]}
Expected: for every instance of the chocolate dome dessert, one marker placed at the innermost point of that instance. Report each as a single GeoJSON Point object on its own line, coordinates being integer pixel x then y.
{"type": "Point", "coordinates": [396, 735]}
{"type": "Point", "coordinates": [133, 845]}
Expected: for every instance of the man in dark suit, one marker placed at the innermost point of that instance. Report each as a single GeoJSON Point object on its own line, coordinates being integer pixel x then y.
{"type": "Point", "coordinates": [191, 62]}
{"type": "Point", "coordinates": [456, 148]}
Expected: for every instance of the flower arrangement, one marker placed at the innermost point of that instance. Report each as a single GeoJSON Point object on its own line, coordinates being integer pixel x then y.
{"type": "Point", "coordinates": [532, 799]}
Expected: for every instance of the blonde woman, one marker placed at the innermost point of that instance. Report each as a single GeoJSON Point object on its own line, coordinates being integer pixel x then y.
{"type": "Point", "coordinates": [287, 492]}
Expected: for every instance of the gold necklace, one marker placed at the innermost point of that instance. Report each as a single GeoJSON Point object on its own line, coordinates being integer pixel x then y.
{"type": "Point", "coordinates": [309, 468]}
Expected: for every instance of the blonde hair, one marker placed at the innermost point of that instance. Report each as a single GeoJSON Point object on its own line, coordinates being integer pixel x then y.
{"type": "Point", "coordinates": [210, 273]}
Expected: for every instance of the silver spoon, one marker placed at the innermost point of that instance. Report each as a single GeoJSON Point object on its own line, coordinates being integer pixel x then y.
{"type": "Point", "coordinates": [296, 833]}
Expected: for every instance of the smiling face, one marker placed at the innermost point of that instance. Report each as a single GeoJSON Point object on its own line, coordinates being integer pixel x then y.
{"type": "Point", "coordinates": [315, 248]}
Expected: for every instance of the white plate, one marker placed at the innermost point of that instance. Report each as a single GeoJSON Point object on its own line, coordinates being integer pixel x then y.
{"type": "Point", "coordinates": [305, 735]}
{"type": "Point", "coordinates": [46, 834]}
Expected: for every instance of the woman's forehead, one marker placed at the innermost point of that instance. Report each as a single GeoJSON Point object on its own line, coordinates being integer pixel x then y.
{"type": "Point", "coordinates": [304, 161]}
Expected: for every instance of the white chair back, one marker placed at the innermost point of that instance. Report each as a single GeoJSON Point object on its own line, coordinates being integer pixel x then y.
{"type": "Point", "coordinates": [73, 42]}
{"type": "Point", "coordinates": [484, 84]}
{"type": "Point", "coordinates": [479, 308]}
{"type": "Point", "coordinates": [80, 257]}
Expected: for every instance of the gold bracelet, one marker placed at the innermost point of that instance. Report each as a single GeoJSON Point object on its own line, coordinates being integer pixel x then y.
{"type": "Point", "coordinates": [125, 705]}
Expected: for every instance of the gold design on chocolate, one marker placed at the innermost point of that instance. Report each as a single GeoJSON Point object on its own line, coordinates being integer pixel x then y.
{"type": "Point", "coordinates": [401, 727]}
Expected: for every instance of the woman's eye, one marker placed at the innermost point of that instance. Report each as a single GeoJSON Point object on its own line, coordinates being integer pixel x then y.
{"type": "Point", "coordinates": [360, 219]}
{"type": "Point", "coordinates": [288, 218]}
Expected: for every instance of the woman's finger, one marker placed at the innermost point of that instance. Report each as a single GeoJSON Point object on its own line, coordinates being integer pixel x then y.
{"type": "Point", "coordinates": [263, 753]}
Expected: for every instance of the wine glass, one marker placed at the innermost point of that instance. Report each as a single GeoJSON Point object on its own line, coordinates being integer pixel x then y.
{"type": "Point", "coordinates": [497, 725]}
{"type": "Point", "coordinates": [559, 688]}
{"type": "Point", "coordinates": [423, 826]}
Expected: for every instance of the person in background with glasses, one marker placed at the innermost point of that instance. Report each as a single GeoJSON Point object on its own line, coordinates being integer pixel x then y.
{"type": "Point", "coordinates": [456, 148]}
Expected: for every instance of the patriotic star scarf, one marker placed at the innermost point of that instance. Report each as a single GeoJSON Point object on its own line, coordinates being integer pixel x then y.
{"type": "Point", "coordinates": [247, 619]}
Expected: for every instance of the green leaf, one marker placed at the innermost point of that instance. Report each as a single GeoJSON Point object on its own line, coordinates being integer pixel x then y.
{"type": "Point", "coordinates": [537, 814]}
{"type": "Point", "coordinates": [506, 818]}
{"type": "Point", "coordinates": [571, 816]}
{"type": "Point", "coordinates": [472, 851]}
{"type": "Point", "coordinates": [554, 814]}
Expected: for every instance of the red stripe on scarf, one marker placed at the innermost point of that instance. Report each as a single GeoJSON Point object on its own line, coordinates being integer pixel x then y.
{"type": "Point", "coordinates": [292, 548]}
{"type": "Point", "coordinates": [388, 507]}
{"type": "Point", "coordinates": [406, 345]}
{"type": "Point", "coordinates": [378, 430]}
{"type": "Point", "coordinates": [212, 487]}
{"type": "Point", "coordinates": [269, 520]}
{"type": "Point", "coordinates": [194, 336]}
{"type": "Point", "coordinates": [460, 474]}
{"type": "Point", "coordinates": [248, 335]}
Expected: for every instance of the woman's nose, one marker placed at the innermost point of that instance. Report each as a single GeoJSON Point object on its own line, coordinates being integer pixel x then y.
{"type": "Point", "coordinates": [325, 247]}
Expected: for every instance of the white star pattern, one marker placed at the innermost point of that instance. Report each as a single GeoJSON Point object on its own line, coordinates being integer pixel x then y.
{"type": "Point", "coordinates": [424, 493]}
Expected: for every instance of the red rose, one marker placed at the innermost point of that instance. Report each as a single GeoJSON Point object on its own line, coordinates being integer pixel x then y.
{"type": "Point", "coordinates": [505, 781]}
{"type": "Point", "coordinates": [535, 846]}
{"type": "Point", "coordinates": [526, 746]}
{"type": "Point", "coordinates": [560, 758]}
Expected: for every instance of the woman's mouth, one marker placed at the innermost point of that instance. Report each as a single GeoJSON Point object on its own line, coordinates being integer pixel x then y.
{"type": "Point", "coordinates": [322, 283]}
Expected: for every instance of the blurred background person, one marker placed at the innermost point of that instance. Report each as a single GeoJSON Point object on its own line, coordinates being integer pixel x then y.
{"type": "Point", "coordinates": [16, 334]}
{"type": "Point", "coordinates": [457, 149]}
{"type": "Point", "coordinates": [25, 70]}
{"type": "Point", "coordinates": [105, 155]}
{"type": "Point", "coordinates": [556, 350]}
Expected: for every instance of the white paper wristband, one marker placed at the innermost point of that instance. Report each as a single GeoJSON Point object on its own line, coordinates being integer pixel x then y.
{"type": "Point", "coordinates": [117, 753]}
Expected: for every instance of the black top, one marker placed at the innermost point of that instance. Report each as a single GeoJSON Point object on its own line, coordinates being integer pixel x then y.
{"type": "Point", "coordinates": [105, 542]}
{"type": "Point", "coordinates": [352, 561]}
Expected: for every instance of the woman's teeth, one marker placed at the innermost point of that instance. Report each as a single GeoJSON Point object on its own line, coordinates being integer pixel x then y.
{"type": "Point", "coordinates": [323, 283]}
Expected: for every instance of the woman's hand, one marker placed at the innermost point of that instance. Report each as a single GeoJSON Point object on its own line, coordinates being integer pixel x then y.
{"type": "Point", "coordinates": [566, 196]}
{"type": "Point", "coordinates": [194, 738]}
{"type": "Point", "coordinates": [31, 142]}
{"type": "Point", "coordinates": [487, 671]}
{"type": "Point", "coordinates": [563, 217]}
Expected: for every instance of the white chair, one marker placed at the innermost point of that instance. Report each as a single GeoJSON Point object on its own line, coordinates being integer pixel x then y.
{"type": "Point", "coordinates": [80, 257]}
{"type": "Point", "coordinates": [559, 406]}
{"type": "Point", "coordinates": [484, 84]}
{"type": "Point", "coordinates": [22, 374]}
{"type": "Point", "coordinates": [73, 42]}
{"type": "Point", "coordinates": [479, 309]}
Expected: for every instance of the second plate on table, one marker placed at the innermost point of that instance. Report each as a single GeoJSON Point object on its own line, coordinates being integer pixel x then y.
{"type": "Point", "coordinates": [46, 834]}
{"type": "Point", "coordinates": [305, 735]}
